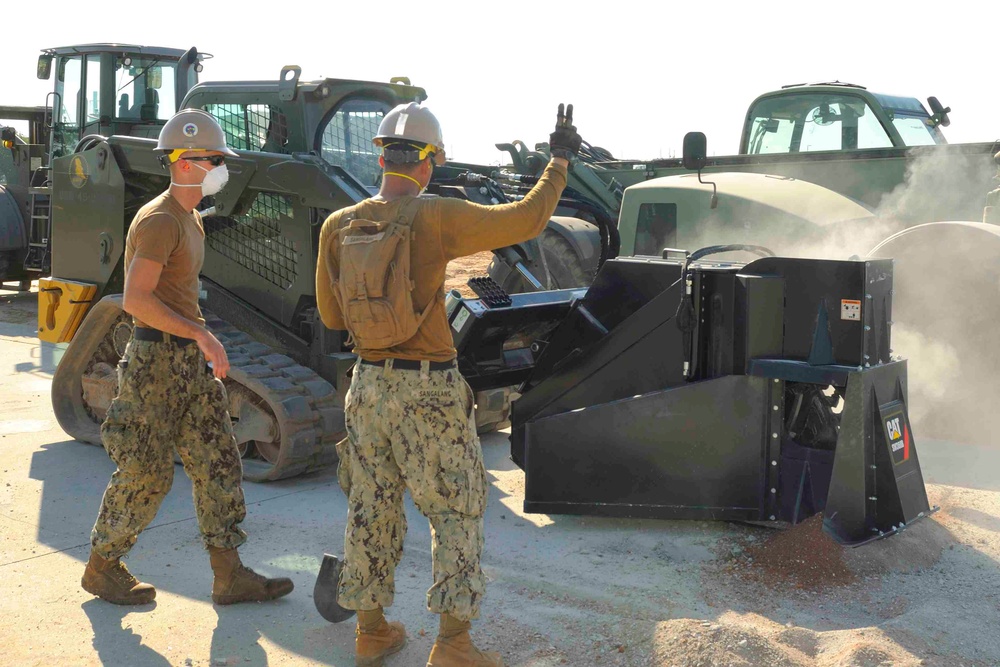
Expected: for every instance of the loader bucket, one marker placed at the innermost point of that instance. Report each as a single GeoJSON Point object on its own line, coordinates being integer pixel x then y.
{"type": "Point", "coordinates": [945, 312]}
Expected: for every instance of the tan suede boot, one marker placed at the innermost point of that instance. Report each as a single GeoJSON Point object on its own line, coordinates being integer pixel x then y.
{"type": "Point", "coordinates": [454, 648]}
{"type": "Point", "coordinates": [235, 582]}
{"type": "Point", "coordinates": [110, 580]}
{"type": "Point", "coordinates": [376, 638]}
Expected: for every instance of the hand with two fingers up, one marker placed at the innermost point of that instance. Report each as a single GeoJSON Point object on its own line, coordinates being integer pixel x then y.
{"type": "Point", "coordinates": [564, 142]}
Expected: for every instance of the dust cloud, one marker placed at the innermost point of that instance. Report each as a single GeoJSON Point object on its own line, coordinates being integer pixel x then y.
{"type": "Point", "coordinates": [946, 305]}
{"type": "Point", "coordinates": [941, 184]}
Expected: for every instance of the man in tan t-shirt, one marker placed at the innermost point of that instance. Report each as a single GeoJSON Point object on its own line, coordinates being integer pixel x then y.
{"type": "Point", "coordinates": [170, 395]}
{"type": "Point", "coordinates": [409, 412]}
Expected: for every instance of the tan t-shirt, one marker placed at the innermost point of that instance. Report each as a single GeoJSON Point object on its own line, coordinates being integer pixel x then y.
{"type": "Point", "coordinates": [162, 231]}
{"type": "Point", "coordinates": [443, 229]}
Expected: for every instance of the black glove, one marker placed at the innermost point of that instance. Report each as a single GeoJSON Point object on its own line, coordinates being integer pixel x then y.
{"type": "Point", "coordinates": [564, 142]}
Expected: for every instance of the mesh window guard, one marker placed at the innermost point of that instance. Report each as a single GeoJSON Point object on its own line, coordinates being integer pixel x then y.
{"type": "Point", "coordinates": [254, 240]}
{"type": "Point", "coordinates": [252, 127]}
{"type": "Point", "coordinates": [347, 138]}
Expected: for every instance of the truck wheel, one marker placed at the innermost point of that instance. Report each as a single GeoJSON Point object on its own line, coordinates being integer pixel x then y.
{"type": "Point", "coordinates": [946, 303]}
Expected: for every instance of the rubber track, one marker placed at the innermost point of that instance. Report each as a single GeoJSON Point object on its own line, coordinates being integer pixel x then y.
{"type": "Point", "coordinates": [309, 415]}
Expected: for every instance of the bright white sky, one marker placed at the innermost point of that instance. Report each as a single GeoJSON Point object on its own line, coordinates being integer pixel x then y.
{"type": "Point", "coordinates": [640, 74]}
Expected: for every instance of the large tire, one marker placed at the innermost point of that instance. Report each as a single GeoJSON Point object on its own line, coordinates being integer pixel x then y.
{"type": "Point", "coordinates": [559, 267]}
{"type": "Point", "coordinates": [87, 369]}
{"type": "Point", "coordinates": [945, 309]}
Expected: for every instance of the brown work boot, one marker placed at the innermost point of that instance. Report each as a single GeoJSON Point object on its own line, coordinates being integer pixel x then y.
{"type": "Point", "coordinates": [110, 580]}
{"type": "Point", "coordinates": [454, 648]}
{"type": "Point", "coordinates": [376, 638]}
{"type": "Point", "coordinates": [235, 582]}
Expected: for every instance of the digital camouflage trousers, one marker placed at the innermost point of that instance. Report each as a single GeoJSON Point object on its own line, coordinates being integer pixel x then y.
{"type": "Point", "coordinates": [412, 429]}
{"type": "Point", "coordinates": [168, 401]}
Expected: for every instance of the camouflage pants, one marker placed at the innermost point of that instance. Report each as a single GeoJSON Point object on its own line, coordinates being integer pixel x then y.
{"type": "Point", "coordinates": [167, 400]}
{"type": "Point", "coordinates": [411, 429]}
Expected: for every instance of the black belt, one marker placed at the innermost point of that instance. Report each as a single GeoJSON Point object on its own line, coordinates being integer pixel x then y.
{"type": "Point", "coordinates": [412, 364]}
{"type": "Point", "coordinates": [157, 336]}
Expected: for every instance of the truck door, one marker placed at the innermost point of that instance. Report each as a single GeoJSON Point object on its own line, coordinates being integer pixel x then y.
{"type": "Point", "coordinates": [90, 110]}
{"type": "Point", "coordinates": [66, 115]}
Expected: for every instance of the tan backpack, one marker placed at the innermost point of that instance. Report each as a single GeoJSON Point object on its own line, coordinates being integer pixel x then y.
{"type": "Point", "coordinates": [374, 288]}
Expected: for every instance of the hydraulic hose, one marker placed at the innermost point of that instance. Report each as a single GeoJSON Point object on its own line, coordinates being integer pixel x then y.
{"type": "Point", "coordinates": [606, 225]}
{"type": "Point", "coordinates": [758, 250]}
{"type": "Point", "coordinates": [88, 142]}
{"type": "Point", "coordinates": [687, 320]}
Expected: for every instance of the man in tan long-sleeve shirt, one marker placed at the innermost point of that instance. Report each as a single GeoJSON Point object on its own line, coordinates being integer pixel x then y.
{"type": "Point", "coordinates": [409, 412]}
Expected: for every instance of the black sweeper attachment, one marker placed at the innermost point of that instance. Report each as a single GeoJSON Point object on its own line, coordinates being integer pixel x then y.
{"type": "Point", "coordinates": [770, 395]}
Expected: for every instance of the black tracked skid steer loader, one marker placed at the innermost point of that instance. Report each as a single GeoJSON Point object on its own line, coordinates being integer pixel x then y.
{"type": "Point", "coordinates": [688, 389]}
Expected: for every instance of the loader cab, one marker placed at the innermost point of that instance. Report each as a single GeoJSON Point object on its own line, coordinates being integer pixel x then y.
{"type": "Point", "coordinates": [836, 117]}
{"type": "Point", "coordinates": [108, 89]}
{"type": "Point", "coordinates": [332, 119]}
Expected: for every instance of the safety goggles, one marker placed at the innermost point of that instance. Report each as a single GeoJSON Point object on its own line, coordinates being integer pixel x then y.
{"type": "Point", "coordinates": [214, 160]}
{"type": "Point", "coordinates": [411, 153]}
{"type": "Point", "coordinates": [436, 154]}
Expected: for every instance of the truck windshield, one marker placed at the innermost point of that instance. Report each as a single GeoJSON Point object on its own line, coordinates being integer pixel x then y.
{"type": "Point", "coordinates": [911, 120]}
{"type": "Point", "coordinates": [799, 123]}
{"type": "Point", "coordinates": [145, 89]}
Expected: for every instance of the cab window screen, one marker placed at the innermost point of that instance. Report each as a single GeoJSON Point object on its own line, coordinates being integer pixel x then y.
{"type": "Point", "coordinates": [656, 229]}
{"type": "Point", "coordinates": [347, 138]}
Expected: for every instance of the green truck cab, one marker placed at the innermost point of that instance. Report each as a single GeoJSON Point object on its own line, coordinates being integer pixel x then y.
{"type": "Point", "coordinates": [886, 152]}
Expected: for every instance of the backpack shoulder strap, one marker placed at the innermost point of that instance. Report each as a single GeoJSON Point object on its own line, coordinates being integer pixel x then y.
{"type": "Point", "coordinates": [408, 212]}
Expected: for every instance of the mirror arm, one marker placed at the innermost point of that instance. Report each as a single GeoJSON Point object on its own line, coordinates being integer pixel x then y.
{"type": "Point", "coordinates": [715, 196]}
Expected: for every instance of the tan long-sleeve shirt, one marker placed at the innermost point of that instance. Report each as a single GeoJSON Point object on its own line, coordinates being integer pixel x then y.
{"type": "Point", "coordinates": [443, 229]}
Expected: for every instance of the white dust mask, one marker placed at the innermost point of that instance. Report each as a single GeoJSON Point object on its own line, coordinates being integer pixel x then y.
{"type": "Point", "coordinates": [215, 180]}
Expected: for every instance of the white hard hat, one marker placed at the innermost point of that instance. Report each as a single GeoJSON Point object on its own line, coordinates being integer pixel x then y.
{"type": "Point", "coordinates": [412, 123]}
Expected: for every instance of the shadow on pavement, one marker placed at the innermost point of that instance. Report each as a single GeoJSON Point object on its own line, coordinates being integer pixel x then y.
{"type": "Point", "coordinates": [236, 639]}
{"type": "Point", "coordinates": [117, 645]}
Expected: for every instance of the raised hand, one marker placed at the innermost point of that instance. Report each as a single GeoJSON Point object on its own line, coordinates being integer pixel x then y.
{"type": "Point", "coordinates": [564, 142]}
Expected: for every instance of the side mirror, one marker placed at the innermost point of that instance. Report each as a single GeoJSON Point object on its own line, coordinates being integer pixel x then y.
{"type": "Point", "coordinates": [44, 69]}
{"type": "Point", "coordinates": [695, 151]}
{"type": "Point", "coordinates": [940, 116]}
{"type": "Point", "coordinates": [696, 157]}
